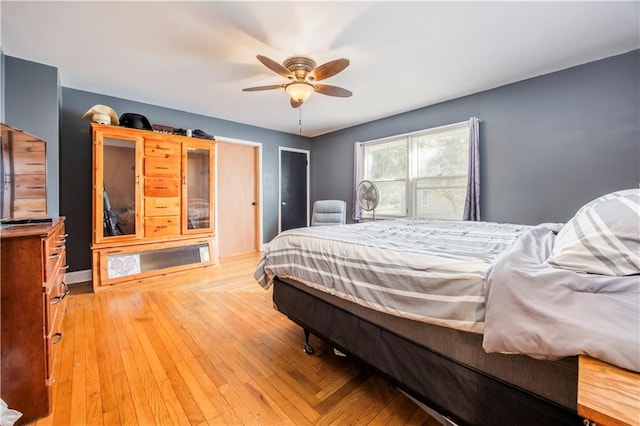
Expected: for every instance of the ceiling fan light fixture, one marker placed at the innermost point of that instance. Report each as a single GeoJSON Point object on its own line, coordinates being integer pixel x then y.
{"type": "Point", "coordinates": [299, 90]}
{"type": "Point", "coordinates": [303, 76]}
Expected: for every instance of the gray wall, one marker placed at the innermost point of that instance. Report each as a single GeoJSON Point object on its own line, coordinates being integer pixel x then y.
{"type": "Point", "coordinates": [75, 160]}
{"type": "Point", "coordinates": [31, 100]}
{"type": "Point", "coordinates": [548, 144]}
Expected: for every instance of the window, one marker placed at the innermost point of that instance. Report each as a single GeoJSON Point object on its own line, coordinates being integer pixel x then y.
{"type": "Point", "coordinates": [386, 165]}
{"type": "Point", "coordinates": [421, 174]}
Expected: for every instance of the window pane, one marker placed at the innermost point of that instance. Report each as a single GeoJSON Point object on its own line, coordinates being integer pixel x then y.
{"type": "Point", "coordinates": [441, 198]}
{"type": "Point", "coordinates": [443, 156]}
{"type": "Point", "coordinates": [386, 160]}
{"type": "Point", "coordinates": [393, 199]}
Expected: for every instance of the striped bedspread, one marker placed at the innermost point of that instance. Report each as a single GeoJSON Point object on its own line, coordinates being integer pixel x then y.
{"type": "Point", "coordinates": [421, 269]}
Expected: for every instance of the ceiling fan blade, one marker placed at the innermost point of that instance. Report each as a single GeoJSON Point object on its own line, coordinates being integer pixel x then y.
{"type": "Point", "coordinates": [295, 104]}
{"type": "Point", "coordinates": [255, 89]}
{"type": "Point", "coordinates": [328, 90]}
{"type": "Point", "coordinates": [330, 69]}
{"type": "Point", "coordinates": [274, 66]}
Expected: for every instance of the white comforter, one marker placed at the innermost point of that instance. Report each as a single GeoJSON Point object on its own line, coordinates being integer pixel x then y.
{"type": "Point", "coordinates": [549, 313]}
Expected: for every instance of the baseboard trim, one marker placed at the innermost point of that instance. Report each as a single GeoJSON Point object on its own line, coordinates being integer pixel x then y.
{"type": "Point", "coordinates": [78, 276]}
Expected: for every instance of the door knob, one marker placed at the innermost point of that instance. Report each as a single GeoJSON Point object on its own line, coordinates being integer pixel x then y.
{"type": "Point", "coordinates": [253, 203]}
{"type": "Point", "coordinates": [284, 204]}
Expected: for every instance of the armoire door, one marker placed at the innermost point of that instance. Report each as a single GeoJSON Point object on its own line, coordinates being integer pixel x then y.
{"type": "Point", "coordinates": [237, 198]}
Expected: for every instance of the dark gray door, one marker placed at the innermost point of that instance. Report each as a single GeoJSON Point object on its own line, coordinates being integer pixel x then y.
{"type": "Point", "coordinates": [293, 189]}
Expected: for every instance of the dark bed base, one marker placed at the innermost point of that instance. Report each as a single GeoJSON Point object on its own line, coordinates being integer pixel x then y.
{"type": "Point", "coordinates": [456, 391]}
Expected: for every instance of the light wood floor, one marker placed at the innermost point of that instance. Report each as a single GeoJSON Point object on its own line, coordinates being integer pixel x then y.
{"type": "Point", "coordinates": [211, 352]}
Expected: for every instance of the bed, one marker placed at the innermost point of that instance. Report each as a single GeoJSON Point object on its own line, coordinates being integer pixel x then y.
{"type": "Point", "coordinates": [480, 322]}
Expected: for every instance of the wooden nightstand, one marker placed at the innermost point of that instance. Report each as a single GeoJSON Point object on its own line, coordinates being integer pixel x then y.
{"type": "Point", "coordinates": [608, 395]}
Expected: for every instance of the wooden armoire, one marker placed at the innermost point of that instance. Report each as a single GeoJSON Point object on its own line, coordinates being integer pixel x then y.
{"type": "Point", "coordinates": [153, 207]}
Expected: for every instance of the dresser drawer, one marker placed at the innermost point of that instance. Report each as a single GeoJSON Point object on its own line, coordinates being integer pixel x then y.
{"type": "Point", "coordinates": [56, 242]}
{"type": "Point", "coordinates": [53, 340]}
{"type": "Point", "coordinates": [162, 167]}
{"type": "Point", "coordinates": [161, 187]}
{"type": "Point", "coordinates": [162, 149]}
{"type": "Point", "coordinates": [161, 226]}
{"type": "Point", "coordinates": [55, 254]}
{"type": "Point", "coordinates": [54, 301]}
{"type": "Point", "coordinates": [162, 206]}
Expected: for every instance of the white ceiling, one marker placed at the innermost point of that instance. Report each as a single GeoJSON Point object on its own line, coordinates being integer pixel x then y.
{"type": "Point", "coordinates": [197, 56]}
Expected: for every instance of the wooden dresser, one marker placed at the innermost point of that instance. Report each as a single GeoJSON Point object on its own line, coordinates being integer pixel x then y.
{"type": "Point", "coordinates": [32, 293]}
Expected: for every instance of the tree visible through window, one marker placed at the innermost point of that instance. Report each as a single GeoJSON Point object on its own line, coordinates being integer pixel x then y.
{"type": "Point", "coordinates": [422, 174]}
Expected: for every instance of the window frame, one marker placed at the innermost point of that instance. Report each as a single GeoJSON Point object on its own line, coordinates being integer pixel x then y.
{"type": "Point", "coordinates": [411, 179]}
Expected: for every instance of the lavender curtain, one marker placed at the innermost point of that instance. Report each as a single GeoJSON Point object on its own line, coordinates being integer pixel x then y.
{"type": "Point", "coordinates": [358, 174]}
{"type": "Point", "coordinates": [472, 199]}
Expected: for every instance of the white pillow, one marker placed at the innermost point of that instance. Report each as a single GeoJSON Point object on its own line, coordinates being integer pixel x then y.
{"type": "Point", "coordinates": [603, 237]}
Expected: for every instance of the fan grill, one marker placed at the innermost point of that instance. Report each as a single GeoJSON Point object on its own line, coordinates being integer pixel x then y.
{"type": "Point", "coordinates": [368, 196]}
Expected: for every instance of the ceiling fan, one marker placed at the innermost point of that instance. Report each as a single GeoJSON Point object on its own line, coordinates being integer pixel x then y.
{"type": "Point", "coordinates": [303, 75]}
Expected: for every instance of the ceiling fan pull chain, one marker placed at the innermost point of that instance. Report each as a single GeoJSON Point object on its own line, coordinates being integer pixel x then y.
{"type": "Point", "coordinates": [300, 118]}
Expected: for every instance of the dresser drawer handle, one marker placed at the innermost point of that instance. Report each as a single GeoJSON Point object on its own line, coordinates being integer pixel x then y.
{"type": "Point", "coordinates": [162, 148]}
{"type": "Point", "coordinates": [58, 299]}
{"type": "Point", "coordinates": [35, 164]}
{"type": "Point", "coordinates": [65, 235]}
{"type": "Point", "coordinates": [54, 256]}
{"type": "Point", "coordinates": [162, 168]}
{"type": "Point", "coordinates": [162, 207]}
{"type": "Point", "coordinates": [65, 267]}
{"type": "Point", "coordinates": [162, 226]}
{"type": "Point", "coordinates": [36, 211]}
{"type": "Point", "coordinates": [35, 187]}
{"type": "Point", "coordinates": [56, 338]}
{"type": "Point", "coordinates": [61, 246]}
{"type": "Point", "coordinates": [162, 187]}
{"type": "Point", "coordinates": [62, 241]}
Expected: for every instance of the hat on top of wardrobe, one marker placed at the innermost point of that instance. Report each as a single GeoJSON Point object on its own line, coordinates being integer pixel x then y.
{"type": "Point", "coordinates": [102, 114]}
{"type": "Point", "coordinates": [135, 121]}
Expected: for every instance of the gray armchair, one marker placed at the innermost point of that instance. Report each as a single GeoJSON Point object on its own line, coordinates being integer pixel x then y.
{"type": "Point", "coordinates": [329, 212]}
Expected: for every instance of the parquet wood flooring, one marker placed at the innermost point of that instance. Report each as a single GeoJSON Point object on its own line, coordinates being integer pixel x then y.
{"type": "Point", "coordinates": [211, 352]}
